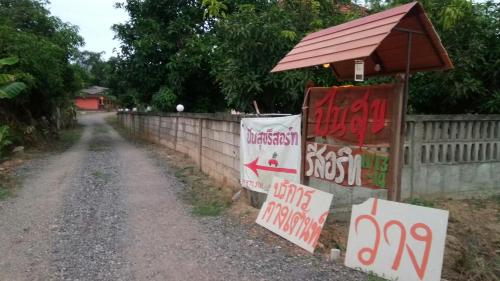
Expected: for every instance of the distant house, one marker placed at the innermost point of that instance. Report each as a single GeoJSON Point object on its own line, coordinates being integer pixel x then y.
{"type": "Point", "coordinates": [94, 98]}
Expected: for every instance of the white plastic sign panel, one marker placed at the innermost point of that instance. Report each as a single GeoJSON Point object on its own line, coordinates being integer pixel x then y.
{"type": "Point", "coordinates": [359, 70]}
{"type": "Point", "coordinates": [269, 147]}
{"type": "Point", "coordinates": [295, 212]}
{"type": "Point", "coordinates": [397, 241]}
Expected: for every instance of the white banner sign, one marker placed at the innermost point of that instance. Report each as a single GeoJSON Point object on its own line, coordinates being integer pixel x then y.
{"type": "Point", "coordinates": [269, 147]}
{"type": "Point", "coordinates": [397, 241]}
{"type": "Point", "coordinates": [295, 212]}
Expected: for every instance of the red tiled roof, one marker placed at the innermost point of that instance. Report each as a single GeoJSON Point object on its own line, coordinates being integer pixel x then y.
{"type": "Point", "coordinates": [376, 39]}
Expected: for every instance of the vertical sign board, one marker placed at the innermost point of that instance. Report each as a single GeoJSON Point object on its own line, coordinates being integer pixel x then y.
{"type": "Point", "coordinates": [350, 131]}
{"type": "Point", "coordinates": [295, 212]}
{"type": "Point", "coordinates": [397, 241]}
{"type": "Point", "coordinates": [269, 147]}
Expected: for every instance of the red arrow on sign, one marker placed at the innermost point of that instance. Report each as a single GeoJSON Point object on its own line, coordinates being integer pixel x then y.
{"type": "Point", "coordinates": [255, 167]}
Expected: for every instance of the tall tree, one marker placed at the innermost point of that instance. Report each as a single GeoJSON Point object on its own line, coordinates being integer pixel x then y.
{"type": "Point", "coordinates": [470, 32]}
{"type": "Point", "coordinates": [44, 46]}
{"type": "Point", "coordinates": [254, 37]}
{"type": "Point", "coordinates": [154, 43]}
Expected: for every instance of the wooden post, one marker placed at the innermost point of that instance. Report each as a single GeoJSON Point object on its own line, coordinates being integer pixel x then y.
{"type": "Point", "coordinates": [305, 118]}
{"type": "Point", "coordinates": [396, 150]}
{"type": "Point", "coordinates": [400, 129]}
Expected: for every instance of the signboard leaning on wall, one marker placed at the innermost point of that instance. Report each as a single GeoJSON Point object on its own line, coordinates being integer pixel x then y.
{"type": "Point", "coordinates": [349, 134]}
{"type": "Point", "coordinates": [295, 212]}
{"type": "Point", "coordinates": [269, 147]}
{"type": "Point", "coordinates": [397, 241]}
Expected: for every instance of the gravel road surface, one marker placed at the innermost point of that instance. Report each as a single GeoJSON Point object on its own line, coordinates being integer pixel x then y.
{"type": "Point", "coordinates": [106, 210]}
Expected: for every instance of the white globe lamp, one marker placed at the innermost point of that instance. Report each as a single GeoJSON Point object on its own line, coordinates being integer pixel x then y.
{"type": "Point", "coordinates": [180, 108]}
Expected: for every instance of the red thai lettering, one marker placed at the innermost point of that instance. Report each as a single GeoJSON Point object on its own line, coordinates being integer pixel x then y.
{"type": "Point", "coordinates": [367, 255]}
{"type": "Point", "coordinates": [331, 118]}
{"type": "Point", "coordinates": [427, 239]}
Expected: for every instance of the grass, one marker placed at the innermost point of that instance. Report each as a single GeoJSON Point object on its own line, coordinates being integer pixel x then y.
{"type": "Point", "coordinates": [374, 277]}
{"type": "Point", "coordinates": [96, 146]}
{"type": "Point", "coordinates": [496, 198]}
{"type": "Point", "coordinates": [205, 197]}
{"type": "Point", "coordinates": [420, 202]}
{"type": "Point", "coordinates": [476, 266]}
{"type": "Point", "coordinates": [208, 209]}
{"type": "Point", "coordinates": [100, 130]}
{"type": "Point", "coordinates": [68, 137]}
{"type": "Point", "coordinates": [4, 192]}
{"type": "Point", "coordinates": [7, 186]}
{"type": "Point", "coordinates": [100, 175]}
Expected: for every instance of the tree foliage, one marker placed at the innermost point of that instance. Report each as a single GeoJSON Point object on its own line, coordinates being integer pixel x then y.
{"type": "Point", "coordinates": [217, 54]}
{"type": "Point", "coordinates": [9, 87]}
{"type": "Point", "coordinates": [471, 34]}
{"type": "Point", "coordinates": [44, 45]}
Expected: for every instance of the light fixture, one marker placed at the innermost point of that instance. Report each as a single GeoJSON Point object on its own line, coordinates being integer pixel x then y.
{"type": "Point", "coordinates": [180, 108]}
{"type": "Point", "coordinates": [326, 65]}
{"type": "Point", "coordinates": [377, 67]}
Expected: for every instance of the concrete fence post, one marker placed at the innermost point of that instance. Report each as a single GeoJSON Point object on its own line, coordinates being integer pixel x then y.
{"type": "Point", "coordinates": [159, 129]}
{"type": "Point", "coordinates": [416, 154]}
{"type": "Point", "coordinates": [176, 129]}
{"type": "Point", "coordinates": [200, 132]}
{"type": "Point", "coordinates": [132, 120]}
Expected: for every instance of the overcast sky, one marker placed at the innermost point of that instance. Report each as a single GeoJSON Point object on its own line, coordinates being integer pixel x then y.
{"type": "Point", "coordinates": [94, 18]}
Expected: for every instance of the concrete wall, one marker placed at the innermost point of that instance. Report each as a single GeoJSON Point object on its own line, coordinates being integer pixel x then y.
{"type": "Point", "coordinates": [452, 155]}
{"type": "Point", "coordinates": [211, 141]}
{"type": "Point", "coordinates": [445, 155]}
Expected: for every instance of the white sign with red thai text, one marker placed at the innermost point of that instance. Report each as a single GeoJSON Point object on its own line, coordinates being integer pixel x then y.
{"type": "Point", "coordinates": [269, 147]}
{"type": "Point", "coordinates": [397, 241]}
{"type": "Point", "coordinates": [295, 212]}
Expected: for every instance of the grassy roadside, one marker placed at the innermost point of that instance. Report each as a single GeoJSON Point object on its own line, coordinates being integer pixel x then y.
{"type": "Point", "coordinates": [9, 183]}
{"type": "Point", "coordinates": [67, 138]}
{"type": "Point", "coordinates": [473, 238]}
{"type": "Point", "coordinates": [205, 197]}
{"type": "Point", "coordinates": [472, 249]}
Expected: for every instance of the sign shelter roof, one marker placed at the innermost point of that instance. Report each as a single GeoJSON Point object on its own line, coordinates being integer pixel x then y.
{"type": "Point", "coordinates": [397, 40]}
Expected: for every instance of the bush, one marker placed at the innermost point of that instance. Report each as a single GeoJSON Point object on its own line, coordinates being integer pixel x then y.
{"type": "Point", "coordinates": [164, 100]}
{"type": "Point", "coordinates": [5, 138]}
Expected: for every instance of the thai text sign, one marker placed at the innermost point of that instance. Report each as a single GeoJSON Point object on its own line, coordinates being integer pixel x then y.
{"type": "Point", "coordinates": [346, 166]}
{"type": "Point", "coordinates": [397, 241]}
{"type": "Point", "coordinates": [295, 212]}
{"type": "Point", "coordinates": [356, 121]}
{"type": "Point", "coordinates": [269, 147]}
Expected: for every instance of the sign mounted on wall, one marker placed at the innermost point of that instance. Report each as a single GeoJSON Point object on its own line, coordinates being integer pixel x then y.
{"type": "Point", "coordinates": [397, 241]}
{"type": "Point", "coordinates": [269, 147]}
{"type": "Point", "coordinates": [295, 212]}
{"type": "Point", "coordinates": [349, 134]}
{"type": "Point", "coordinates": [359, 70]}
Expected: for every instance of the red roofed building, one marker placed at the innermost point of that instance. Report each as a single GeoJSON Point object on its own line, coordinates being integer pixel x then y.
{"type": "Point", "coordinates": [94, 98]}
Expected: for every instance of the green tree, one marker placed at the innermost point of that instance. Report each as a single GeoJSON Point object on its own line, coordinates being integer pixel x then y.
{"type": "Point", "coordinates": [254, 37]}
{"type": "Point", "coordinates": [9, 88]}
{"type": "Point", "coordinates": [92, 68]}
{"type": "Point", "coordinates": [470, 33]}
{"type": "Point", "coordinates": [44, 45]}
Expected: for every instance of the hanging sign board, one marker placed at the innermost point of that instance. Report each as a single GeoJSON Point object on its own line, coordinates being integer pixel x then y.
{"type": "Point", "coordinates": [350, 131]}
{"type": "Point", "coordinates": [269, 147]}
{"type": "Point", "coordinates": [295, 212]}
{"type": "Point", "coordinates": [397, 241]}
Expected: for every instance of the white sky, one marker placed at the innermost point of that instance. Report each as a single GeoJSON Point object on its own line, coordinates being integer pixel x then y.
{"type": "Point", "coordinates": [94, 18]}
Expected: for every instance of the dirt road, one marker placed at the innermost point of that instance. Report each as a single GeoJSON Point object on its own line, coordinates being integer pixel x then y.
{"type": "Point", "coordinates": [104, 210]}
